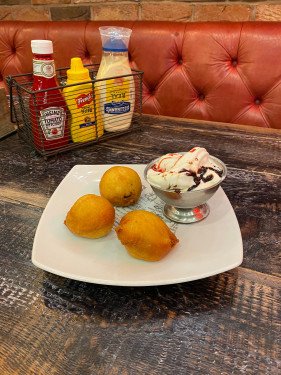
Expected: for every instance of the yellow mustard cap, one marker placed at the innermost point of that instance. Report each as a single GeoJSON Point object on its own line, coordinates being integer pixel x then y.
{"type": "Point", "coordinates": [77, 71]}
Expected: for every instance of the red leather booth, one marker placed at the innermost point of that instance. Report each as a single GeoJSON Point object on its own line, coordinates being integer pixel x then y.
{"type": "Point", "coordinates": [217, 71]}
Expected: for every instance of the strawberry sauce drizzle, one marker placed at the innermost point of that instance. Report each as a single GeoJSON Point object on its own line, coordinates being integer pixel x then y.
{"type": "Point", "coordinates": [157, 168]}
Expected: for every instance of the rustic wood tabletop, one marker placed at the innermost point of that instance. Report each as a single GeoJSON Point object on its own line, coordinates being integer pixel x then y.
{"type": "Point", "coordinates": [224, 324]}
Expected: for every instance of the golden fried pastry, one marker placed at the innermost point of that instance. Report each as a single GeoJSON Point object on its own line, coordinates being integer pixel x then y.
{"type": "Point", "coordinates": [91, 216]}
{"type": "Point", "coordinates": [145, 235]}
{"type": "Point", "coordinates": [121, 186]}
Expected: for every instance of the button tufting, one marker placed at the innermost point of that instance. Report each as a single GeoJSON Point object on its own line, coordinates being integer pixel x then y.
{"type": "Point", "coordinates": [257, 102]}
{"type": "Point", "coordinates": [179, 60]}
{"type": "Point", "coordinates": [234, 63]}
{"type": "Point", "coordinates": [201, 96]}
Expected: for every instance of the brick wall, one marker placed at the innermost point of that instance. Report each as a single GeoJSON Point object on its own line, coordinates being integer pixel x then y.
{"type": "Point", "coordinates": [173, 10]}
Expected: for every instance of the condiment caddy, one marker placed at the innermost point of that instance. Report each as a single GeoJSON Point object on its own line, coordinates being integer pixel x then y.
{"type": "Point", "coordinates": [60, 109]}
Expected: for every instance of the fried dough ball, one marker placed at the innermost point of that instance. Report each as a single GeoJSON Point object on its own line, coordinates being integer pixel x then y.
{"type": "Point", "coordinates": [121, 186]}
{"type": "Point", "coordinates": [145, 235]}
{"type": "Point", "coordinates": [91, 216]}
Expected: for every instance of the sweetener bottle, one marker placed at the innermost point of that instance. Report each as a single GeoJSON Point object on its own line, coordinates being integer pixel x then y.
{"type": "Point", "coordinates": [48, 110]}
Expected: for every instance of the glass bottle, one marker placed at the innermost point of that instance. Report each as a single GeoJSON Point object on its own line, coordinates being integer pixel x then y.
{"type": "Point", "coordinates": [48, 109]}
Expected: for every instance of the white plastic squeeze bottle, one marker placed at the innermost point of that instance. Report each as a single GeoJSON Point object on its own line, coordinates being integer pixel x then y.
{"type": "Point", "coordinates": [117, 92]}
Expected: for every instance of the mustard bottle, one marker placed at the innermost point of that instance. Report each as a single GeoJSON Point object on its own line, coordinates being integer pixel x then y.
{"type": "Point", "coordinates": [86, 123]}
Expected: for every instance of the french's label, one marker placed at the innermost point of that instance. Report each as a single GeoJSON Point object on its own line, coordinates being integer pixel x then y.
{"type": "Point", "coordinates": [52, 122]}
{"type": "Point", "coordinates": [83, 103]}
{"type": "Point", "coordinates": [84, 99]}
{"type": "Point", "coordinates": [87, 124]}
{"type": "Point", "coordinates": [44, 68]}
{"type": "Point", "coordinates": [117, 96]}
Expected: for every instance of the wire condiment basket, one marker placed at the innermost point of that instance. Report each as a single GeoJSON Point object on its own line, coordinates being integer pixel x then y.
{"type": "Point", "coordinates": [21, 95]}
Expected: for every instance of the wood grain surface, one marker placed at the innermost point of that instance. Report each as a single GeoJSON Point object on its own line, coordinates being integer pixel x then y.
{"type": "Point", "coordinates": [6, 127]}
{"type": "Point", "coordinates": [220, 325]}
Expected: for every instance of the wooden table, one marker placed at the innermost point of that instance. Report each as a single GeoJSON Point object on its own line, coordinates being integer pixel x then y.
{"type": "Point", "coordinates": [225, 324]}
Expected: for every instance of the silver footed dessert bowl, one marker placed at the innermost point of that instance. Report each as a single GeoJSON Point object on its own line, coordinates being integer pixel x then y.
{"type": "Point", "coordinates": [185, 182]}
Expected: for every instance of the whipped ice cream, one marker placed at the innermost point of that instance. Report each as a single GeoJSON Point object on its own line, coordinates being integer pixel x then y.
{"type": "Point", "coordinates": [185, 172]}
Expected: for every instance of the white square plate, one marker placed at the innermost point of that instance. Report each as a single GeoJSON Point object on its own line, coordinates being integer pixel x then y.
{"type": "Point", "coordinates": [209, 247]}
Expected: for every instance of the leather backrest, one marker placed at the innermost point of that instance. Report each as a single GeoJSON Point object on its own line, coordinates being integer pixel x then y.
{"type": "Point", "coordinates": [217, 71]}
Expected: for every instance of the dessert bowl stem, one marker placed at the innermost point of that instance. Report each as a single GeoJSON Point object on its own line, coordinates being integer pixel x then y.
{"type": "Point", "coordinates": [186, 215]}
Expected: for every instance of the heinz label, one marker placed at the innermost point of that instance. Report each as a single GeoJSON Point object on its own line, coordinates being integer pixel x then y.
{"type": "Point", "coordinates": [52, 121]}
{"type": "Point", "coordinates": [44, 68]}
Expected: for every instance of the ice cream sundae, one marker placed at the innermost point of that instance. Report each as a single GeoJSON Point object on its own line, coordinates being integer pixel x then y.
{"type": "Point", "coordinates": [193, 170]}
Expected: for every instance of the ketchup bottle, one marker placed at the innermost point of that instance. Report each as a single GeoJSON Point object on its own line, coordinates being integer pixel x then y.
{"type": "Point", "coordinates": [48, 111]}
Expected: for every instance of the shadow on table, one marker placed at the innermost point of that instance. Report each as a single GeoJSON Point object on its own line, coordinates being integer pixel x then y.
{"type": "Point", "coordinates": [130, 306]}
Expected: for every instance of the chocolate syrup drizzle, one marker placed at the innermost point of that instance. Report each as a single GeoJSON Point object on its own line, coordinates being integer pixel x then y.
{"type": "Point", "coordinates": [197, 178]}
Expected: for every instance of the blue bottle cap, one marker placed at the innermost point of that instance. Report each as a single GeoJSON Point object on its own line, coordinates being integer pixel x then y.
{"type": "Point", "coordinates": [116, 45]}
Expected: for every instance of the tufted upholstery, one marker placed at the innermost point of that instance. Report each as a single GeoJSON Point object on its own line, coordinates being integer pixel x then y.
{"type": "Point", "coordinates": [225, 72]}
